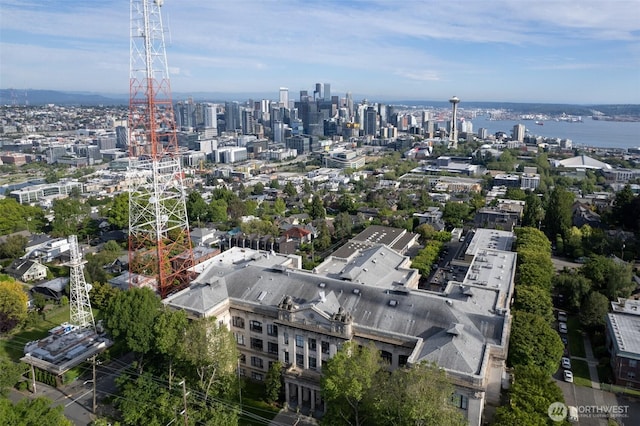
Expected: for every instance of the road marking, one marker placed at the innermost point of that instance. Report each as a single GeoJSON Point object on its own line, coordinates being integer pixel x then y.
{"type": "Point", "coordinates": [75, 400]}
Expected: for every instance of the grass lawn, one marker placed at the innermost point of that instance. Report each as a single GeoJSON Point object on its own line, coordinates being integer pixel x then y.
{"type": "Point", "coordinates": [576, 341]}
{"type": "Point", "coordinates": [581, 375]}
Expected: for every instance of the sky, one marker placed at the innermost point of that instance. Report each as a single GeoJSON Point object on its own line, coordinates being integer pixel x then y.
{"type": "Point", "coordinates": [549, 51]}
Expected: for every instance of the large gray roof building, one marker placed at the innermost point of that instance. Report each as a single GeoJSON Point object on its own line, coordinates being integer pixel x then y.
{"type": "Point", "coordinates": [278, 311]}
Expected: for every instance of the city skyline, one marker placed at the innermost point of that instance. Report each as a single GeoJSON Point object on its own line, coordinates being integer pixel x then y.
{"type": "Point", "coordinates": [513, 52]}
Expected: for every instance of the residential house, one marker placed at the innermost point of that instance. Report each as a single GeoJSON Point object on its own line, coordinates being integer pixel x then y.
{"type": "Point", "coordinates": [27, 270]}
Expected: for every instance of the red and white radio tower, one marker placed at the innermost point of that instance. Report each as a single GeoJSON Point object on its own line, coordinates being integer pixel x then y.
{"type": "Point", "coordinates": [159, 243]}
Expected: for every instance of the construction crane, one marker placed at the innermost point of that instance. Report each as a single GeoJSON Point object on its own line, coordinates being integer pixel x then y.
{"type": "Point", "coordinates": [159, 242]}
{"type": "Point", "coordinates": [81, 313]}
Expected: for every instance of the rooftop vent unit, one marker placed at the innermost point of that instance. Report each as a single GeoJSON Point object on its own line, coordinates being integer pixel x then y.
{"type": "Point", "coordinates": [393, 302]}
{"type": "Point", "coordinates": [356, 291]}
{"type": "Point", "coordinates": [322, 285]}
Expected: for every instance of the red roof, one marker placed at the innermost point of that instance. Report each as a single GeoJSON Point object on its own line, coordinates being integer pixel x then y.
{"type": "Point", "coordinates": [296, 232]}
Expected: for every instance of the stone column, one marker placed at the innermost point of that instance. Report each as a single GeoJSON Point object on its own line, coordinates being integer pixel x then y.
{"type": "Point", "coordinates": [287, 397]}
{"type": "Point", "coordinates": [300, 388]}
{"type": "Point", "coordinates": [312, 397]}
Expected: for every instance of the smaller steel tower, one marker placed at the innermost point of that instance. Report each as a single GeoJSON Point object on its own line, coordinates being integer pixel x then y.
{"type": "Point", "coordinates": [453, 135]}
{"type": "Point", "coordinates": [81, 314]}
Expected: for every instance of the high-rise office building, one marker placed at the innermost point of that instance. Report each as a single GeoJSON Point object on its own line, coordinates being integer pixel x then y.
{"type": "Point", "coordinates": [370, 121]}
{"type": "Point", "coordinates": [284, 97]}
{"type": "Point", "coordinates": [247, 121]}
{"type": "Point", "coordinates": [232, 116]}
{"type": "Point", "coordinates": [327, 92]}
{"type": "Point", "coordinates": [518, 132]}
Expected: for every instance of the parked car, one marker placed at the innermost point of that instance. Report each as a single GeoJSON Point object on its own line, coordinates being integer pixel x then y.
{"type": "Point", "coordinates": [566, 363]}
{"type": "Point", "coordinates": [562, 316]}
{"type": "Point", "coordinates": [562, 327]}
{"type": "Point", "coordinates": [564, 339]}
{"type": "Point", "coordinates": [568, 376]}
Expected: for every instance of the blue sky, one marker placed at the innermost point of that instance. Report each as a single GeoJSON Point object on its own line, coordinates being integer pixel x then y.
{"type": "Point", "coordinates": [573, 51]}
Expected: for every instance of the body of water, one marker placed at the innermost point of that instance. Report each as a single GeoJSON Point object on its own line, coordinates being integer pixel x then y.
{"type": "Point", "coordinates": [589, 132]}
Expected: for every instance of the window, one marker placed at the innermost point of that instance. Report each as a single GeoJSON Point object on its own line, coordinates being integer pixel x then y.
{"type": "Point", "coordinates": [286, 338]}
{"type": "Point", "coordinates": [312, 345]}
{"type": "Point", "coordinates": [386, 357]}
{"type": "Point", "coordinates": [242, 372]}
{"type": "Point", "coordinates": [239, 338]}
{"type": "Point", "coordinates": [300, 360]}
{"type": "Point", "coordinates": [402, 360]}
{"type": "Point", "coordinates": [325, 347]}
{"type": "Point", "coordinates": [243, 359]}
{"type": "Point", "coordinates": [255, 326]}
{"type": "Point", "coordinates": [631, 375]}
{"type": "Point", "coordinates": [256, 362]}
{"type": "Point", "coordinates": [286, 358]}
{"type": "Point", "coordinates": [256, 376]}
{"type": "Point", "coordinates": [633, 363]}
{"type": "Point", "coordinates": [272, 348]}
{"type": "Point", "coordinates": [256, 344]}
{"type": "Point", "coordinates": [238, 322]}
{"type": "Point", "coordinates": [313, 363]}
{"type": "Point", "coordinates": [459, 401]}
{"type": "Point", "coordinates": [299, 341]}
{"type": "Point", "coordinates": [272, 330]}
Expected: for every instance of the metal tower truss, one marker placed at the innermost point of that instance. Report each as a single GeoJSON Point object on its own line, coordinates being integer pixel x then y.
{"type": "Point", "coordinates": [159, 243]}
{"type": "Point", "coordinates": [81, 314]}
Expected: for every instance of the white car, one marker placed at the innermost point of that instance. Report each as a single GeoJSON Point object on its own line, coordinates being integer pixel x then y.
{"type": "Point", "coordinates": [562, 316]}
{"type": "Point", "coordinates": [568, 376]}
{"type": "Point", "coordinates": [566, 363]}
{"type": "Point", "coordinates": [562, 327]}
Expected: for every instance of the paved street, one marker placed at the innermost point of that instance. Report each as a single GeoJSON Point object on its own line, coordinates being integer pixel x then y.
{"type": "Point", "coordinates": [77, 397]}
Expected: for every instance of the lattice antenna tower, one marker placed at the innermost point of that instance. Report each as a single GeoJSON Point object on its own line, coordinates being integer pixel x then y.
{"type": "Point", "coordinates": [81, 314]}
{"type": "Point", "coordinates": [159, 243]}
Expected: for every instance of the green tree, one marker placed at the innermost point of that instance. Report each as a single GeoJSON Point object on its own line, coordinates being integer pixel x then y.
{"type": "Point", "coordinates": [146, 402]}
{"type": "Point", "coordinates": [346, 204]}
{"type": "Point", "coordinates": [118, 213]}
{"type": "Point", "coordinates": [289, 189]}
{"type": "Point", "coordinates": [16, 217]}
{"type": "Point", "coordinates": [342, 225]}
{"type": "Point", "coordinates": [593, 310]}
{"type": "Point", "coordinates": [13, 246]}
{"type": "Point", "coordinates": [273, 382]}
{"type": "Point", "coordinates": [533, 212]}
{"type": "Point", "coordinates": [533, 342]}
{"type": "Point", "coordinates": [611, 278]}
{"type": "Point", "coordinates": [69, 214]}
{"type": "Point", "coordinates": [530, 395]}
{"type": "Point", "coordinates": [454, 214]}
{"type": "Point", "coordinates": [515, 194]}
{"type": "Point", "coordinates": [535, 300]}
{"type": "Point", "coordinates": [197, 208]}
{"type": "Point", "coordinates": [101, 294]}
{"type": "Point", "coordinates": [347, 380]}
{"type": "Point", "coordinates": [258, 189]}
{"type": "Point", "coordinates": [535, 268]}
{"type": "Point", "coordinates": [10, 374]}
{"type": "Point", "coordinates": [323, 241]}
{"type": "Point", "coordinates": [574, 287]}
{"type": "Point", "coordinates": [13, 304]}
{"type": "Point", "coordinates": [279, 206]}
{"type": "Point", "coordinates": [420, 395]}
{"type": "Point", "coordinates": [558, 215]}
{"type": "Point", "coordinates": [209, 348]}
{"type": "Point", "coordinates": [170, 330]}
{"type": "Point", "coordinates": [218, 211]}
{"type": "Point", "coordinates": [316, 208]}
{"type": "Point", "coordinates": [130, 317]}
{"type": "Point", "coordinates": [32, 412]}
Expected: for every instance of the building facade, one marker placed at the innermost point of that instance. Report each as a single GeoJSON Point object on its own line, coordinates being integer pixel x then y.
{"type": "Point", "coordinates": [279, 312]}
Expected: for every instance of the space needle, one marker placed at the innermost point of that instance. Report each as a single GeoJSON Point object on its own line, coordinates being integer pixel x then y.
{"type": "Point", "coordinates": [453, 134]}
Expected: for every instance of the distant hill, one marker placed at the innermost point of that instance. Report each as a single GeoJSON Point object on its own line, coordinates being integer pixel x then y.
{"type": "Point", "coordinates": [42, 97]}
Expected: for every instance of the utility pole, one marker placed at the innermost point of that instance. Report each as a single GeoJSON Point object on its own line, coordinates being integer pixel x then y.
{"type": "Point", "coordinates": [184, 400]}
{"type": "Point", "coordinates": [94, 384]}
